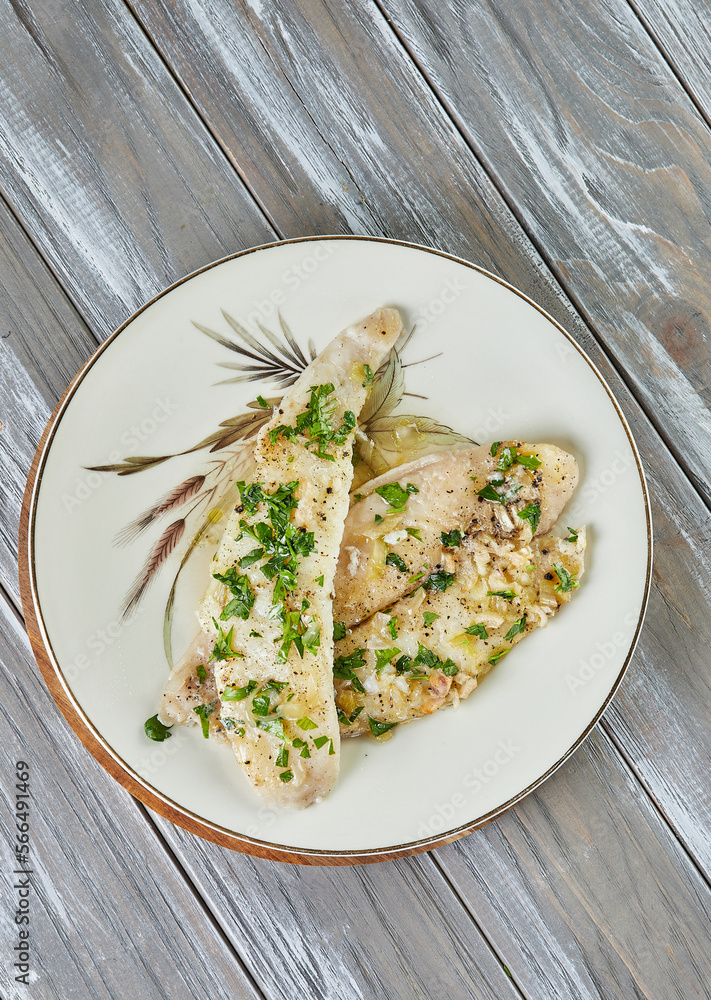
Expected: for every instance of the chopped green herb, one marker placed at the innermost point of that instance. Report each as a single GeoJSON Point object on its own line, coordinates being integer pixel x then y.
{"type": "Point", "coordinates": [275, 685]}
{"type": "Point", "coordinates": [573, 536]}
{"type": "Point", "coordinates": [516, 629]}
{"type": "Point", "coordinates": [529, 567]}
{"type": "Point", "coordinates": [449, 668]}
{"type": "Point", "coordinates": [262, 402]}
{"type": "Point", "coordinates": [439, 581]}
{"type": "Point", "coordinates": [286, 776]}
{"type": "Point", "coordinates": [495, 447]}
{"type": "Point", "coordinates": [429, 617]}
{"type": "Point", "coordinates": [369, 376]}
{"type": "Point", "coordinates": [392, 627]}
{"type": "Point", "coordinates": [393, 559]}
{"type": "Point", "coordinates": [344, 667]}
{"type": "Point", "coordinates": [306, 723]}
{"type": "Point", "coordinates": [532, 514]}
{"type": "Point", "coordinates": [378, 728]}
{"type": "Point", "coordinates": [394, 494]}
{"type": "Point", "coordinates": [508, 595]}
{"type": "Point", "coordinates": [489, 493]}
{"type": "Point", "coordinates": [478, 629]}
{"type": "Point", "coordinates": [319, 580]}
{"type": "Point", "coordinates": [357, 497]}
{"type": "Point", "coordinates": [339, 631]}
{"type": "Point", "coordinates": [320, 741]}
{"type": "Point", "coordinates": [299, 634]}
{"type": "Point", "coordinates": [331, 749]}
{"type": "Point", "coordinates": [495, 657]}
{"type": "Point", "coordinates": [201, 673]}
{"type": "Point", "coordinates": [261, 703]}
{"type": "Point", "coordinates": [452, 539]}
{"type": "Point", "coordinates": [417, 576]}
{"type": "Point", "coordinates": [529, 461]}
{"type": "Point", "coordinates": [242, 593]}
{"type": "Point", "coordinates": [383, 657]}
{"type": "Point", "coordinates": [315, 423]}
{"type": "Point", "coordinates": [426, 657]}
{"type": "Point", "coordinates": [155, 730]}
{"type": "Point", "coordinates": [231, 725]}
{"type": "Point", "coordinates": [283, 757]}
{"type": "Point", "coordinates": [507, 458]}
{"type": "Point", "coordinates": [415, 533]}
{"type": "Point", "coordinates": [275, 727]}
{"type": "Point", "coordinates": [222, 650]}
{"type": "Point", "coordinates": [403, 664]}
{"type": "Point", "coordinates": [232, 693]}
{"type": "Point", "coordinates": [567, 582]}
{"type": "Point", "coordinates": [252, 557]}
{"type": "Point", "coordinates": [203, 713]}
{"type": "Point", "coordinates": [303, 746]}
{"type": "Point", "coordinates": [378, 519]}
{"type": "Point", "coordinates": [255, 635]}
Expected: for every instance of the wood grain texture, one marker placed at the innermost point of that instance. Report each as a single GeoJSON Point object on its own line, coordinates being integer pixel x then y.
{"type": "Point", "coordinates": [682, 29]}
{"type": "Point", "coordinates": [607, 163]}
{"type": "Point", "coordinates": [336, 130]}
{"type": "Point", "coordinates": [43, 341]}
{"type": "Point", "coordinates": [111, 916]}
{"type": "Point", "coordinates": [606, 904]}
{"type": "Point", "coordinates": [114, 176]}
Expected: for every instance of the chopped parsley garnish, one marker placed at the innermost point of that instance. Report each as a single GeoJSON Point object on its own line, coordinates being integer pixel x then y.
{"type": "Point", "coordinates": [508, 595]}
{"type": "Point", "coordinates": [439, 581]}
{"type": "Point", "coordinates": [529, 461]}
{"type": "Point", "coordinates": [339, 631]}
{"type": "Point", "coordinates": [262, 402]}
{"type": "Point", "coordinates": [567, 582]}
{"type": "Point", "coordinates": [232, 693]}
{"type": "Point", "coordinates": [452, 539]}
{"type": "Point", "coordinates": [392, 627]}
{"type": "Point", "coordinates": [320, 741]}
{"type": "Point", "coordinates": [319, 580]}
{"type": "Point", "coordinates": [242, 593]}
{"type": "Point", "coordinates": [516, 629]}
{"type": "Point", "coordinates": [369, 376]}
{"type": "Point", "coordinates": [573, 536]}
{"type": "Point", "coordinates": [478, 629]}
{"type": "Point", "coordinates": [275, 727]}
{"type": "Point", "coordinates": [495, 447]}
{"type": "Point", "coordinates": [222, 650]}
{"type": "Point", "coordinates": [155, 730]}
{"type": "Point", "coordinates": [286, 776]}
{"type": "Point", "coordinates": [383, 657]}
{"type": "Point", "coordinates": [489, 493]}
{"type": "Point", "coordinates": [507, 458]}
{"type": "Point", "coordinates": [429, 617]}
{"type": "Point", "coordinates": [532, 514]}
{"type": "Point", "coordinates": [252, 557]}
{"type": "Point", "coordinates": [231, 725]}
{"type": "Point", "coordinates": [348, 720]}
{"type": "Point", "coordinates": [449, 668]}
{"type": "Point", "coordinates": [203, 713]}
{"type": "Point", "coordinates": [306, 723]}
{"type": "Point", "coordinates": [378, 728]}
{"type": "Point", "coordinates": [344, 667]}
{"type": "Point", "coordinates": [357, 497]}
{"type": "Point", "coordinates": [393, 559]}
{"type": "Point", "coordinates": [316, 422]}
{"type": "Point", "coordinates": [378, 519]}
{"type": "Point", "coordinates": [283, 757]}
{"type": "Point", "coordinates": [201, 673]}
{"type": "Point", "coordinates": [394, 494]}
{"type": "Point", "coordinates": [255, 635]}
{"type": "Point", "coordinates": [417, 576]}
{"type": "Point", "coordinates": [415, 533]}
{"type": "Point", "coordinates": [301, 745]}
{"type": "Point", "coordinates": [299, 634]}
{"type": "Point", "coordinates": [495, 657]}
{"type": "Point", "coordinates": [261, 703]}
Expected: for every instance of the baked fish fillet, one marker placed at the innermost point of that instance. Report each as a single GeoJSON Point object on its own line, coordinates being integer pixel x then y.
{"type": "Point", "coordinates": [433, 646]}
{"type": "Point", "coordinates": [268, 614]}
{"type": "Point", "coordinates": [394, 533]}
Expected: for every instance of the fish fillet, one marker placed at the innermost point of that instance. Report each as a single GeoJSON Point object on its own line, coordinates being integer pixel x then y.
{"type": "Point", "coordinates": [268, 614]}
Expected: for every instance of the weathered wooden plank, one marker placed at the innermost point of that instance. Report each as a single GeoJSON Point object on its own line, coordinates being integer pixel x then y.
{"type": "Point", "coordinates": [105, 161]}
{"type": "Point", "coordinates": [682, 30]}
{"type": "Point", "coordinates": [43, 343]}
{"type": "Point", "coordinates": [604, 904]}
{"type": "Point", "coordinates": [110, 915]}
{"type": "Point", "coordinates": [607, 162]}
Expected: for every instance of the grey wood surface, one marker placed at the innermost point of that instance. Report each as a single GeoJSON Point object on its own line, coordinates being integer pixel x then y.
{"type": "Point", "coordinates": [139, 143]}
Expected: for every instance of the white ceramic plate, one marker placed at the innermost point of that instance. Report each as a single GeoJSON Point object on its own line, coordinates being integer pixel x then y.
{"type": "Point", "coordinates": [498, 368]}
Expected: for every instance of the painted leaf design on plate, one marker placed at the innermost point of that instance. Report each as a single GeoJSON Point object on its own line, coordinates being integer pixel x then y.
{"type": "Point", "coordinates": [387, 390]}
{"type": "Point", "coordinates": [169, 501]}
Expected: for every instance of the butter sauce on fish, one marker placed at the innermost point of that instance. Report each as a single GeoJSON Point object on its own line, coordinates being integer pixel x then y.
{"type": "Point", "coordinates": [268, 614]}
{"type": "Point", "coordinates": [432, 647]}
{"type": "Point", "coordinates": [393, 534]}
